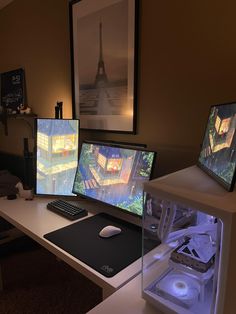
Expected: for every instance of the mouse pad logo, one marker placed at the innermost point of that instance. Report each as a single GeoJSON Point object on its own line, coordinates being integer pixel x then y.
{"type": "Point", "coordinates": [107, 269]}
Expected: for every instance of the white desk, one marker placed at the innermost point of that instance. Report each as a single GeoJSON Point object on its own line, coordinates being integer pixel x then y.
{"type": "Point", "coordinates": [126, 300]}
{"type": "Point", "coordinates": [35, 220]}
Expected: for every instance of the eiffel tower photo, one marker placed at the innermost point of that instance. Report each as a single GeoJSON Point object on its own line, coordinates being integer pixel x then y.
{"type": "Point", "coordinates": [104, 92]}
{"type": "Point", "coordinates": [101, 79]}
{"type": "Point", "coordinates": [103, 97]}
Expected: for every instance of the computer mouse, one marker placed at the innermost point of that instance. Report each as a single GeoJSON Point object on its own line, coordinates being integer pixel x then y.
{"type": "Point", "coordinates": [109, 231]}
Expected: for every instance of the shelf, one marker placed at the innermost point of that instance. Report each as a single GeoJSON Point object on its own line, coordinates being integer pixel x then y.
{"type": "Point", "coordinates": [23, 116]}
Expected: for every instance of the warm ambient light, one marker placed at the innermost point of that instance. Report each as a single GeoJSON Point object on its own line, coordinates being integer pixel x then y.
{"type": "Point", "coordinates": [127, 112]}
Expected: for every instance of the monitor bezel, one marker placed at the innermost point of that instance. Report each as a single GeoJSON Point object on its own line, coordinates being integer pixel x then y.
{"type": "Point", "coordinates": [132, 146]}
{"type": "Point", "coordinates": [35, 154]}
{"type": "Point", "coordinates": [218, 179]}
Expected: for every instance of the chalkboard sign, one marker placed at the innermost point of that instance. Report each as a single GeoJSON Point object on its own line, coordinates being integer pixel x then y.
{"type": "Point", "coordinates": [12, 90]}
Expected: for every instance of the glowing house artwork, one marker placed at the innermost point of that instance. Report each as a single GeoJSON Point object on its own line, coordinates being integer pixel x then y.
{"type": "Point", "coordinates": [57, 155]}
{"type": "Point", "coordinates": [218, 150]}
{"type": "Point", "coordinates": [113, 175]}
{"type": "Point", "coordinates": [224, 131]}
{"type": "Point", "coordinates": [112, 167]}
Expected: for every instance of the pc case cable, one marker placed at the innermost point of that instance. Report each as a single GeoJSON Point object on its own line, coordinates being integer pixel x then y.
{"type": "Point", "coordinates": [166, 220]}
{"type": "Point", "coordinates": [200, 229]}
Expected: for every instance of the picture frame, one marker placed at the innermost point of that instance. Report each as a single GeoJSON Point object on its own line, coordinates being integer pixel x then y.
{"type": "Point", "coordinates": [12, 90]}
{"type": "Point", "coordinates": [104, 64]}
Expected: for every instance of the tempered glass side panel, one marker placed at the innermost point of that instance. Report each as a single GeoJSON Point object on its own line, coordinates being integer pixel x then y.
{"type": "Point", "coordinates": [180, 275]}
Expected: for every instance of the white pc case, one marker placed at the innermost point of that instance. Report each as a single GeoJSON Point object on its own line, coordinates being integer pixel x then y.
{"type": "Point", "coordinates": [193, 269]}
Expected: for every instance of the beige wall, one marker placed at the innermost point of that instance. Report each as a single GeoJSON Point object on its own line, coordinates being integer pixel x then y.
{"type": "Point", "coordinates": [186, 63]}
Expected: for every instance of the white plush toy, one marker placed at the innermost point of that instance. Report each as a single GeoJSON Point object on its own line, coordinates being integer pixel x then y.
{"type": "Point", "coordinates": [24, 109]}
{"type": "Point", "coordinates": [26, 194]}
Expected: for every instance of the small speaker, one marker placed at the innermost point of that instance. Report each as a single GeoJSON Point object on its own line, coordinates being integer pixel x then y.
{"type": "Point", "coordinates": [26, 145]}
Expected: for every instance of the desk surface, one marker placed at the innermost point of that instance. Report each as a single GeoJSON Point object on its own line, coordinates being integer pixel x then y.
{"type": "Point", "coordinates": [35, 220]}
{"type": "Point", "coordinates": [126, 300]}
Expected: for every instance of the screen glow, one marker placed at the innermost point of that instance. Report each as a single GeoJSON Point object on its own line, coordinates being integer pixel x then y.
{"type": "Point", "coordinates": [218, 155]}
{"type": "Point", "coordinates": [113, 175]}
{"type": "Point", "coordinates": [57, 155]}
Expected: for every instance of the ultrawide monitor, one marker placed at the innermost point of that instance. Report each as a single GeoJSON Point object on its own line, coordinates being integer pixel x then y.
{"type": "Point", "coordinates": [56, 156]}
{"type": "Point", "coordinates": [114, 175]}
{"type": "Point", "coordinates": [218, 156]}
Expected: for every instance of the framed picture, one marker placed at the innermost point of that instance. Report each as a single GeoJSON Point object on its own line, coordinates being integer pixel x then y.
{"type": "Point", "coordinates": [12, 90]}
{"type": "Point", "coordinates": [104, 64]}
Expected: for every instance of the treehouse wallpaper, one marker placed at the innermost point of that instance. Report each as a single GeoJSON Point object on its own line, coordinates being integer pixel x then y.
{"type": "Point", "coordinates": [113, 175]}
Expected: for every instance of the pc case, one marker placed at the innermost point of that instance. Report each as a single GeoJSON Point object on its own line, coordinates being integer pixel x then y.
{"type": "Point", "coordinates": [193, 269]}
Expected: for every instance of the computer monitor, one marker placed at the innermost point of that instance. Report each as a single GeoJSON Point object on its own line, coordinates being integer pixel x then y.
{"type": "Point", "coordinates": [218, 156]}
{"type": "Point", "coordinates": [114, 174]}
{"type": "Point", "coordinates": [56, 156]}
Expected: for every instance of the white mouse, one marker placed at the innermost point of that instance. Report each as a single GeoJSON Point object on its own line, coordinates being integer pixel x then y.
{"type": "Point", "coordinates": [109, 231]}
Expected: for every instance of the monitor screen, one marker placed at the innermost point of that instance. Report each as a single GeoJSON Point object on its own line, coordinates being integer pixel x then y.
{"type": "Point", "coordinates": [218, 156]}
{"type": "Point", "coordinates": [114, 175]}
{"type": "Point", "coordinates": [56, 155]}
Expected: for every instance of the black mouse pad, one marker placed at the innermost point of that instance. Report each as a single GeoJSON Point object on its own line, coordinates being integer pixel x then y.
{"type": "Point", "coordinates": [108, 256]}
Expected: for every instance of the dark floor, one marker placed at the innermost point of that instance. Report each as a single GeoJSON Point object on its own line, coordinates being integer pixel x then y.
{"type": "Point", "coordinates": [34, 281]}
